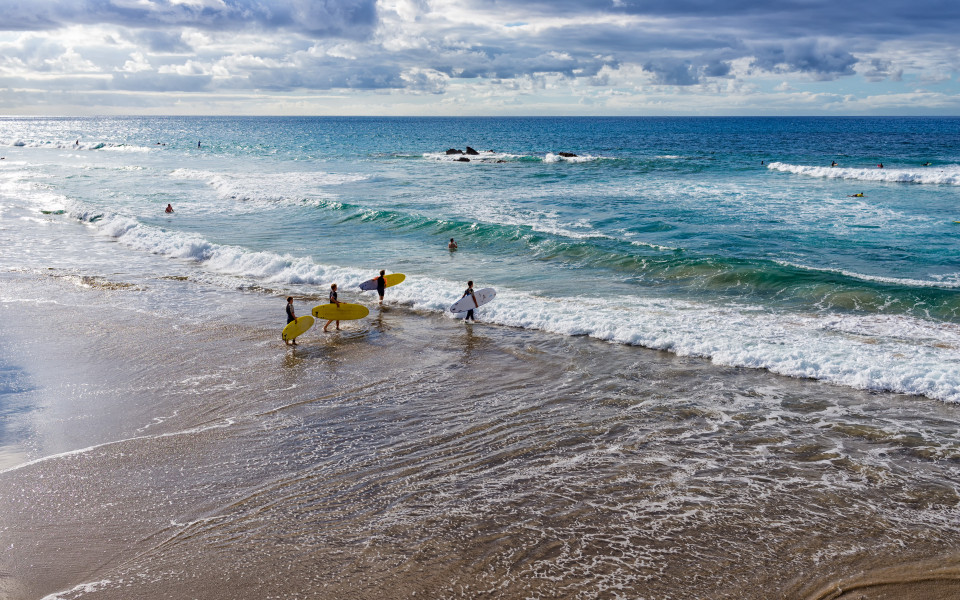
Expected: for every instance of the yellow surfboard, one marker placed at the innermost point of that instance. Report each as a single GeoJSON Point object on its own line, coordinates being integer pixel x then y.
{"type": "Point", "coordinates": [297, 328]}
{"type": "Point", "coordinates": [391, 280]}
{"type": "Point", "coordinates": [344, 312]}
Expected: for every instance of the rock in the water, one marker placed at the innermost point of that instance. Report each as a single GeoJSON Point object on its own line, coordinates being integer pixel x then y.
{"type": "Point", "coordinates": [462, 159]}
{"type": "Point", "coordinates": [566, 154]}
{"type": "Point", "coordinates": [471, 151]}
{"type": "Point", "coordinates": [454, 151]}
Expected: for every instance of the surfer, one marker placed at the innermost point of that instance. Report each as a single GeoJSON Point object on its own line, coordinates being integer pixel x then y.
{"type": "Point", "coordinates": [291, 317]}
{"type": "Point", "coordinates": [833, 164]}
{"type": "Point", "coordinates": [880, 166]}
{"type": "Point", "coordinates": [469, 292]}
{"type": "Point", "coordinates": [860, 195]}
{"type": "Point", "coordinates": [381, 284]}
{"type": "Point", "coordinates": [452, 245]}
{"type": "Point", "coordinates": [169, 209]}
{"type": "Point", "coordinates": [333, 300]}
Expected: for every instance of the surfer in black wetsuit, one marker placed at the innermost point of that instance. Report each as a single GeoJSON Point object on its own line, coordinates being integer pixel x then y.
{"type": "Point", "coordinates": [381, 284]}
{"type": "Point", "coordinates": [469, 292]}
{"type": "Point", "coordinates": [291, 317]}
{"type": "Point", "coordinates": [333, 300]}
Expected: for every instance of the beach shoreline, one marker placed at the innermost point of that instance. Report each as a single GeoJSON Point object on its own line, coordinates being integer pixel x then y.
{"type": "Point", "coordinates": [413, 453]}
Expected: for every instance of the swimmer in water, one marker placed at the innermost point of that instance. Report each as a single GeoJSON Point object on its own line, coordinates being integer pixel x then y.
{"type": "Point", "coordinates": [833, 164]}
{"type": "Point", "coordinates": [860, 195]}
{"type": "Point", "coordinates": [169, 209]}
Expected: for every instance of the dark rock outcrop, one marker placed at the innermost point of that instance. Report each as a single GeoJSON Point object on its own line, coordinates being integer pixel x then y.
{"type": "Point", "coordinates": [566, 154]}
{"type": "Point", "coordinates": [471, 151]}
{"type": "Point", "coordinates": [454, 151]}
{"type": "Point", "coordinates": [462, 159]}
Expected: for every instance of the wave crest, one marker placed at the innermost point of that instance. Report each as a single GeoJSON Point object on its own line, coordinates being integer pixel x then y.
{"type": "Point", "coordinates": [945, 175]}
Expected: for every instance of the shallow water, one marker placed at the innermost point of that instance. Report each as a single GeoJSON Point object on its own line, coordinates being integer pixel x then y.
{"type": "Point", "coordinates": [415, 454]}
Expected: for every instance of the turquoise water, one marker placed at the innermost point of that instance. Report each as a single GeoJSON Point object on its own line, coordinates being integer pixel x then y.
{"type": "Point", "coordinates": [728, 238]}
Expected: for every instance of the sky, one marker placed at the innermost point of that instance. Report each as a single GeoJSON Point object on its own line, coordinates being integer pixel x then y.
{"type": "Point", "coordinates": [479, 57]}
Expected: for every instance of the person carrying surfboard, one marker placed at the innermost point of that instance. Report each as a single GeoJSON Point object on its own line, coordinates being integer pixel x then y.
{"type": "Point", "coordinates": [333, 300]}
{"type": "Point", "coordinates": [291, 317]}
{"type": "Point", "coordinates": [469, 292]}
{"type": "Point", "coordinates": [381, 284]}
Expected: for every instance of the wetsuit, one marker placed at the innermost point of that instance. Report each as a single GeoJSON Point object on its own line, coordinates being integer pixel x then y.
{"type": "Point", "coordinates": [381, 285]}
{"type": "Point", "coordinates": [290, 316]}
{"type": "Point", "coordinates": [333, 297]}
{"type": "Point", "coordinates": [469, 316]}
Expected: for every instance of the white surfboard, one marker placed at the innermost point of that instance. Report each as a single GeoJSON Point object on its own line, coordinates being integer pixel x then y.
{"type": "Point", "coordinates": [466, 303]}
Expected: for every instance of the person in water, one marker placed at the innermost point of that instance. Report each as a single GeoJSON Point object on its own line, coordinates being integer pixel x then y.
{"type": "Point", "coordinates": [169, 209]}
{"type": "Point", "coordinates": [833, 164]}
{"type": "Point", "coordinates": [880, 166]}
{"type": "Point", "coordinates": [860, 195]}
{"type": "Point", "coordinates": [291, 317]}
{"type": "Point", "coordinates": [452, 245]}
{"type": "Point", "coordinates": [469, 292]}
{"type": "Point", "coordinates": [381, 284]}
{"type": "Point", "coordinates": [333, 300]}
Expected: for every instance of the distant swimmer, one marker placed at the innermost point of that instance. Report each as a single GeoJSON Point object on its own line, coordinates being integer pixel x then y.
{"type": "Point", "coordinates": [333, 300]}
{"type": "Point", "coordinates": [291, 317]}
{"type": "Point", "coordinates": [880, 166]}
{"type": "Point", "coordinates": [860, 195]}
{"type": "Point", "coordinates": [926, 164]}
{"type": "Point", "coordinates": [169, 209]}
{"type": "Point", "coordinates": [198, 143]}
{"type": "Point", "coordinates": [833, 164]}
{"type": "Point", "coordinates": [452, 245]}
{"type": "Point", "coordinates": [469, 292]}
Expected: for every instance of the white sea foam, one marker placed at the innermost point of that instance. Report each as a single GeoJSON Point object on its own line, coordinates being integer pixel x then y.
{"type": "Point", "coordinates": [490, 156]}
{"type": "Point", "coordinates": [79, 590]}
{"type": "Point", "coordinates": [554, 158]}
{"type": "Point", "coordinates": [487, 156]}
{"type": "Point", "coordinates": [266, 188]}
{"type": "Point", "coordinates": [946, 175]}
{"type": "Point", "coordinates": [891, 353]}
{"type": "Point", "coordinates": [74, 145]}
{"type": "Point", "coordinates": [951, 281]}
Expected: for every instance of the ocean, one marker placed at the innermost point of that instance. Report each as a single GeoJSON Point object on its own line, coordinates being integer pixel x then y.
{"type": "Point", "coordinates": [708, 342]}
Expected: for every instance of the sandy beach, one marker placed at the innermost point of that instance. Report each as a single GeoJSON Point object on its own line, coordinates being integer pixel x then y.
{"type": "Point", "coordinates": [412, 455]}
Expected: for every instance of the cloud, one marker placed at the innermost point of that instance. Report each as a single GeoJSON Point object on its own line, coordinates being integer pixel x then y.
{"type": "Point", "coordinates": [504, 52]}
{"type": "Point", "coordinates": [343, 18]}
{"type": "Point", "coordinates": [879, 69]}
{"type": "Point", "coordinates": [823, 60]}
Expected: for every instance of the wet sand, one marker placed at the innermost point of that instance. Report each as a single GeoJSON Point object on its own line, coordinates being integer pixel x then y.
{"type": "Point", "coordinates": [415, 456]}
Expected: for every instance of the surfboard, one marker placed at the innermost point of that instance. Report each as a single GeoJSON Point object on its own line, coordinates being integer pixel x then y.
{"type": "Point", "coordinates": [392, 280]}
{"type": "Point", "coordinates": [344, 312]}
{"type": "Point", "coordinates": [466, 303]}
{"type": "Point", "coordinates": [296, 328]}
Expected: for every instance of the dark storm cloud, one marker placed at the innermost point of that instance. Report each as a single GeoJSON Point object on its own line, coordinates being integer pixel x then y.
{"type": "Point", "coordinates": [822, 60]}
{"type": "Point", "coordinates": [347, 18]}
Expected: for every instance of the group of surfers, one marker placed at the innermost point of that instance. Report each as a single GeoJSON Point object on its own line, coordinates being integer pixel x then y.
{"type": "Point", "coordinates": [381, 283]}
